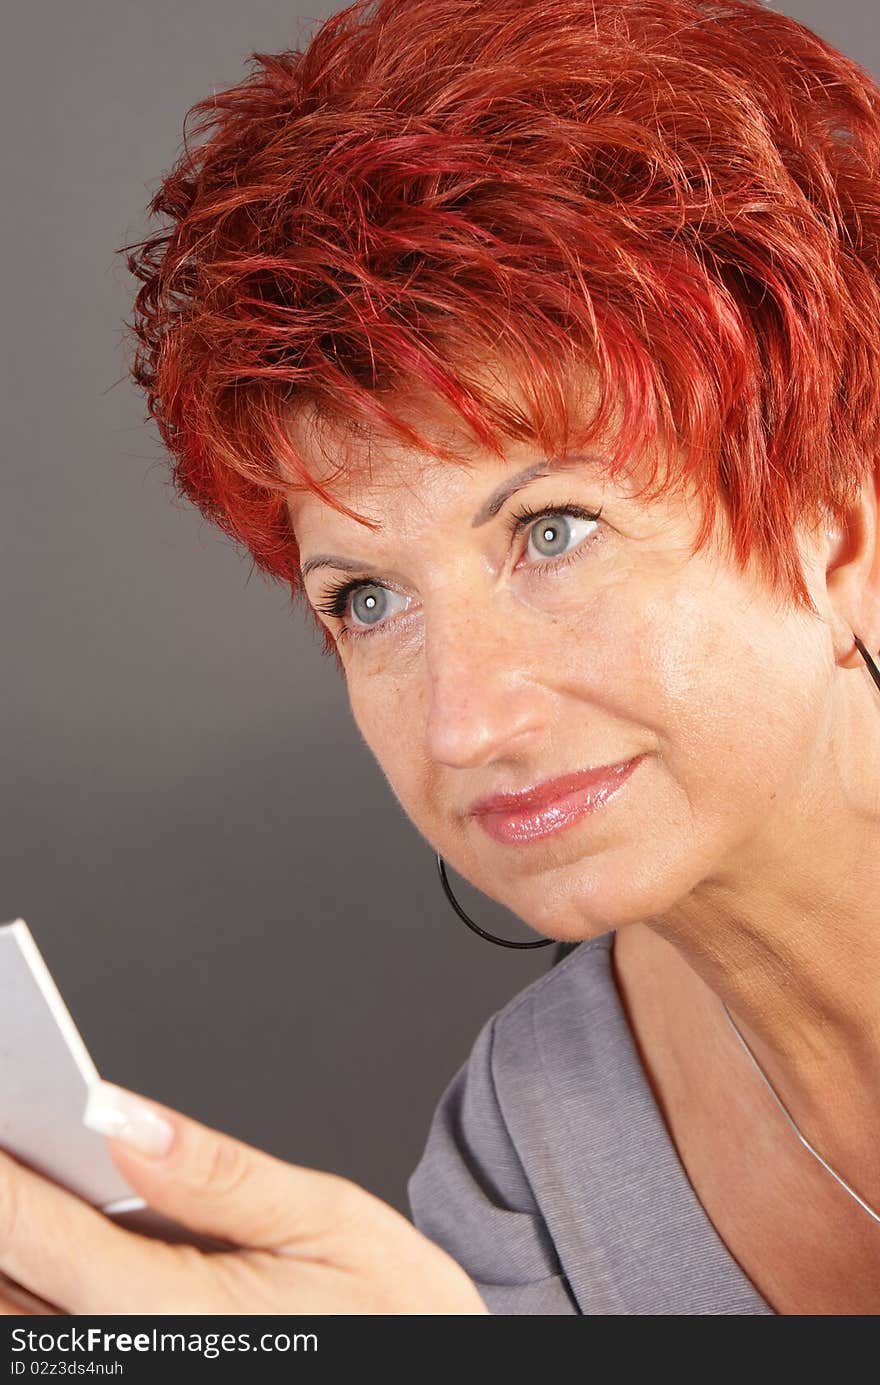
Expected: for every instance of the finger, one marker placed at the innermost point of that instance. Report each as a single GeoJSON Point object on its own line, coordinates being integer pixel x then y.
{"type": "Point", "coordinates": [216, 1184]}
{"type": "Point", "coordinates": [59, 1248]}
{"type": "Point", "coordinates": [16, 1301]}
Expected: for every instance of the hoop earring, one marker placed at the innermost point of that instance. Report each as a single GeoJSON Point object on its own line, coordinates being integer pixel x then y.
{"type": "Point", "coordinates": [873, 669]}
{"type": "Point", "coordinates": [491, 937]}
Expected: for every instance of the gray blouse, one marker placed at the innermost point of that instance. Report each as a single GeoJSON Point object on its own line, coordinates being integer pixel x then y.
{"type": "Point", "coordinates": [550, 1175]}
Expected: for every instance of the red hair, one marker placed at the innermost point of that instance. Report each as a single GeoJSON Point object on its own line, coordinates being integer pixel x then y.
{"type": "Point", "coordinates": [681, 195]}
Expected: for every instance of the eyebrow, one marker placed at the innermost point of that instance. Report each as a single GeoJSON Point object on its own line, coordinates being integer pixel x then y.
{"type": "Point", "coordinates": [487, 510]}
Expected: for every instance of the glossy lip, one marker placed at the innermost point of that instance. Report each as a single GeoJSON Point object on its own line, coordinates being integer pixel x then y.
{"type": "Point", "coordinates": [549, 791]}
{"type": "Point", "coordinates": [527, 824]}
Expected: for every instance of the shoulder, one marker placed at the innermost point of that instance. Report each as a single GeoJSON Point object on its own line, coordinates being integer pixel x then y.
{"type": "Point", "coordinates": [550, 1040]}
{"type": "Point", "coordinates": [540, 1025]}
{"type": "Point", "coordinates": [477, 1188]}
{"type": "Point", "coordinates": [583, 976]}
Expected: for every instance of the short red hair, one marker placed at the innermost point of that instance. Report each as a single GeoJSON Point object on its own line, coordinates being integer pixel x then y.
{"type": "Point", "coordinates": [681, 194]}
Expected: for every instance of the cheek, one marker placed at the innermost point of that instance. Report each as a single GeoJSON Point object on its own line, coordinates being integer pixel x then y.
{"type": "Point", "coordinates": [387, 705]}
{"type": "Point", "coordinates": [731, 688]}
{"type": "Point", "coordinates": [372, 699]}
{"type": "Point", "coordinates": [701, 670]}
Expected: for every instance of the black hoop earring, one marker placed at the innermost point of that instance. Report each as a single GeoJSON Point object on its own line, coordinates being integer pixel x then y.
{"type": "Point", "coordinates": [874, 671]}
{"type": "Point", "coordinates": [491, 937]}
{"type": "Point", "coordinates": [873, 668]}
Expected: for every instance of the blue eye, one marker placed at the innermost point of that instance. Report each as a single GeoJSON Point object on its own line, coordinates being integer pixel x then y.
{"type": "Point", "coordinates": [374, 597]}
{"type": "Point", "coordinates": [373, 600]}
{"type": "Point", "coordinates": [552, 533]}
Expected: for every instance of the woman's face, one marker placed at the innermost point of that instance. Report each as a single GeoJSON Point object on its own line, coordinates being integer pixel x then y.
{"type": "Point", "coordinates": [480, 660]}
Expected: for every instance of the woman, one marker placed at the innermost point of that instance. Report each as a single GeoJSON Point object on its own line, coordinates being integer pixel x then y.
{"type": "Point", "coordinates": [533, 343]}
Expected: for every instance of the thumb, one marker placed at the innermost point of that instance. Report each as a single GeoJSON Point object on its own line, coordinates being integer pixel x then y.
{"type": "Point", "coordinates": [213, 1183]}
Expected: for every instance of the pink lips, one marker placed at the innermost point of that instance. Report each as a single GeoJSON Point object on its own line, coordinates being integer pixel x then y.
{"type": "Point", "coordinates": [548, 810]}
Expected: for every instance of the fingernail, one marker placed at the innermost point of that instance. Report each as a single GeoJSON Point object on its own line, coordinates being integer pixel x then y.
{"type": "Point", "coordinates": [110, 1110]}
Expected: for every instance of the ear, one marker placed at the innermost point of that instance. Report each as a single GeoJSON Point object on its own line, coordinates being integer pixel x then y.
{"type": "Point", "coordinates": [852, 574]}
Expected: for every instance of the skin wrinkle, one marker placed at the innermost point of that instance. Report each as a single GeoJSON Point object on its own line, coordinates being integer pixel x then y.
{"type": "Point", "coordinates": [747, 837]}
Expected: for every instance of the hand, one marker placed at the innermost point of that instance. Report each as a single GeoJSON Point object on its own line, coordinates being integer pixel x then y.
{"type": "Point", "coordinates": [305, 1241]}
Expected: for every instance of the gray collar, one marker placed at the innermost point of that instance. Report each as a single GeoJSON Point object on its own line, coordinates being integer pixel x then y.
{"type": "Point", "coordinates": [630, 1232]}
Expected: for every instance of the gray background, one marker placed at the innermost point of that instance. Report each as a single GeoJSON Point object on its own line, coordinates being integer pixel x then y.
{"type": "Point", "coordinates": [242, 921]}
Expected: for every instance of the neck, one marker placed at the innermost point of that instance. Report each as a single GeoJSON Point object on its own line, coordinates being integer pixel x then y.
{"type": "Point", "coordinates": [787, 937]}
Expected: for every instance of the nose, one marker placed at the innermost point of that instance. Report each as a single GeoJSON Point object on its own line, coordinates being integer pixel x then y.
{"type": "Point", "coordinates": [483, 699]}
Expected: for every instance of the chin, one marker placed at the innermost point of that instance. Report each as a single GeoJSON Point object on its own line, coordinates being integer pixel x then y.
{"type": "Point", "coordinates": [592, 902]}
{"type": "Point", "coordinates": [569, 921]}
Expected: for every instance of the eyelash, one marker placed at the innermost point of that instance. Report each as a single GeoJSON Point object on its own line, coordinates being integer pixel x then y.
{"type": "Point", "coordinates": [336, 602]}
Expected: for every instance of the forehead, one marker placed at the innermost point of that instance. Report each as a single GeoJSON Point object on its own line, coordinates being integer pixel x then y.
{"type": "Point", "coordinates": [372, 471]}
{"type": "Point", "coordinates": [354, 459]}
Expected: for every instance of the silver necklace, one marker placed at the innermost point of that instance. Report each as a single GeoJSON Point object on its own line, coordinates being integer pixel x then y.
{"type": "Point", "coordinates": [804, 1141]}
